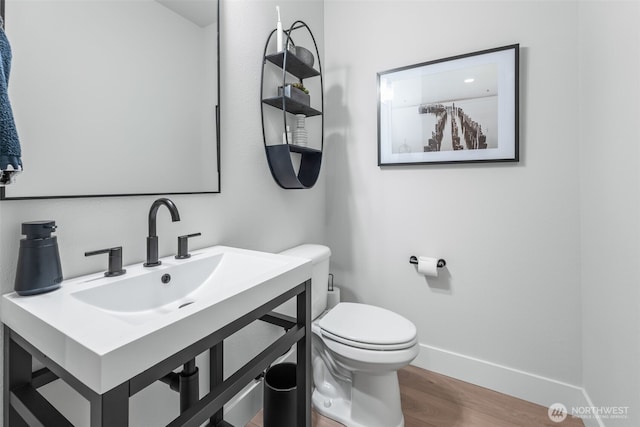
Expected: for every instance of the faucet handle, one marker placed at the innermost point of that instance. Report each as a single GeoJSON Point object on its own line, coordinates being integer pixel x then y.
{"type": "Point", "coordinates": [115, 260]}
{"type": "Point", "coordinates": [183, 245]}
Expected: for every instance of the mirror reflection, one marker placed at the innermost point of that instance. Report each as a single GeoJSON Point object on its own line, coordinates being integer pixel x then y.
{"type": "Point", "coordinates": [114, 97]}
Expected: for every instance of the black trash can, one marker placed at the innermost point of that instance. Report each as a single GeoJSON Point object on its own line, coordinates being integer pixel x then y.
{"type": "Point", "coordinates": [279, 408]}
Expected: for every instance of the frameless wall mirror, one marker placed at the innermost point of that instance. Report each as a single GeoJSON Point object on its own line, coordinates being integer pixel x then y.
{"type": "Point", "coordinates": [114, 97]}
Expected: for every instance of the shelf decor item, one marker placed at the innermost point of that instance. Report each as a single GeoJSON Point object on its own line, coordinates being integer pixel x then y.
{"type": "Point", "coordinates": [295, 108]}
{"type": "Point", "coordinates": [461, 109]}
{"type": "Point", "coordinates": [303, 54]}
{"type": "Point", "coordinates": [300, 133]}
{"type": "Point", "coordinates": [298, 95]}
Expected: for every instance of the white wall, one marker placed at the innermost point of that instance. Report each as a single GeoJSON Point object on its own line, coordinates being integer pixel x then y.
{"type": "Point", "coordinates": [610, 214]}
{"type": "Point", "coordinates": [505, 312]}
{"type": "Point", "coordinates": [251, 212]}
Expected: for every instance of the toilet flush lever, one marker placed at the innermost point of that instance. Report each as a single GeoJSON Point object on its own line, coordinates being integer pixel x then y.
{"type": "Point", "coordinates": [115, 260]}
{"type": "Point", "coordinates": [183, 245]}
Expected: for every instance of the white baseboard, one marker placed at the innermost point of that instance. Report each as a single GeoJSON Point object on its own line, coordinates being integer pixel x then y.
{"type": "Point", "coordinates": [514, 382]}
{"type": "Point", "coordinates": [595, 420]}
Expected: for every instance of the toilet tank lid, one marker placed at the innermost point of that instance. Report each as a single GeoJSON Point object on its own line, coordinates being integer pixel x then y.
{"type": "Point", "coordinates": [316, 253]}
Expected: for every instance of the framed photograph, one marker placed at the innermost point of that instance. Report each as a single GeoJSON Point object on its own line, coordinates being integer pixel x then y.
{"type": "Point", "coordinates": [458, 109]}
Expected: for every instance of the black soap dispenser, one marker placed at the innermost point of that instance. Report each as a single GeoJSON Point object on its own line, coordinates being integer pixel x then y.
{"type": "Point", "coordinates": [39, 269]}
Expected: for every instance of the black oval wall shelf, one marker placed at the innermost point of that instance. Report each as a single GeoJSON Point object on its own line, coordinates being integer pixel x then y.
{"type": "Point", "coordinates": [278, 153]}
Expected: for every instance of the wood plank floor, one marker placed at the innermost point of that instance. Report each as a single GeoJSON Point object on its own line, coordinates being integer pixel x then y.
{"type": "Point", "coordinates": [434, 400]}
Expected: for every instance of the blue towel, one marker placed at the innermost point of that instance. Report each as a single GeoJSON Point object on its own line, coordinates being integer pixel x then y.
{"type": "Point", "coordinates": [10, 152]}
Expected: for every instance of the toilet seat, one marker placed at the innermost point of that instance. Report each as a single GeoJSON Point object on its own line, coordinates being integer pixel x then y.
{"type": "Point", "coordinates": [368, 346]}
{"type": "Point", "coordinates": [368, 327]}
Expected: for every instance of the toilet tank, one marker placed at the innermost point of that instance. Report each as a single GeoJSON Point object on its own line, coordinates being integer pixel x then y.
{"type": "Point", "coordinates": [319, 256]}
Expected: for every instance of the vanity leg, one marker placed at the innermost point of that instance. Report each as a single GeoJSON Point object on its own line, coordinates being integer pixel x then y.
{"type": "Point", "coordinates": [17, 372]}
{"type": "Point", "coordinates": [303, 370]}
{"type": "Point", "coordinates": [216, 376]}
{"type": "Point", "coordinates": [112, 408]}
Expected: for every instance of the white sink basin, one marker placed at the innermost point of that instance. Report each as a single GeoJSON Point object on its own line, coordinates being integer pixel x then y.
{"type": "Point", "coordinates": [105, 330]}
{"type": "Point", "coordinates": [144, 292]}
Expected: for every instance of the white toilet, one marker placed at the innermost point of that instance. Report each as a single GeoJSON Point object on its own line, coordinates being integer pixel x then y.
{"type": "Point", "coordinates": [356, 352]}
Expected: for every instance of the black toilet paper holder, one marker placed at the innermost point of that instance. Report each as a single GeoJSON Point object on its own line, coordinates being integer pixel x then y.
{"type": "Point", "coordinates": [414, 260]}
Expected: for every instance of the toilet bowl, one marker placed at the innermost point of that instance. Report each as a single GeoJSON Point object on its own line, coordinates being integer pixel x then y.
{"type": "Point", "coordinates": [356, 352]}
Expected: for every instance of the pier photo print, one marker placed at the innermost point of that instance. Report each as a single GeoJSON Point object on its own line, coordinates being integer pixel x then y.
{"type": "Point", "coordinates": [457, 109]}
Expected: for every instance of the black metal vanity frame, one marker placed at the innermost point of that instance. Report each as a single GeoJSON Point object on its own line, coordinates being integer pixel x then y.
{"type": "Point", "coordinates": [25, 406]}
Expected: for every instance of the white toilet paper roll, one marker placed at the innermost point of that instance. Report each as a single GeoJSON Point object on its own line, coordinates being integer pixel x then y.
{"type": "Point", "coordinates": [333, 298]}
{"type": "Point", "coordinates": [428, 266]}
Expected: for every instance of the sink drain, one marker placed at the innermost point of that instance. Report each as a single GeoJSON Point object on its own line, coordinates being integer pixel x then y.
{"type": "Point", "coordinates": [185, 304]}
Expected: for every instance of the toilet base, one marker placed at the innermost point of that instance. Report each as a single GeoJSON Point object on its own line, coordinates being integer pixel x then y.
{"type": "Point", "coordinates": [377, 402]}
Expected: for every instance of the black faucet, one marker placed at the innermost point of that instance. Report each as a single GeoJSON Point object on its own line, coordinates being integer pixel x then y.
{"type": "Point", "coordinates": [152, 239]}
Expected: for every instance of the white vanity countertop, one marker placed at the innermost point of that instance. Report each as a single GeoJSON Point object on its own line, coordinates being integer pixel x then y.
{"type": "Point", "coordinates": [103, 348]}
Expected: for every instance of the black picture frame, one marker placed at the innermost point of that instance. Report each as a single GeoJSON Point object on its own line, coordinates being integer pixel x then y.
{"type": "Point", "coordinates": [460, 109]}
